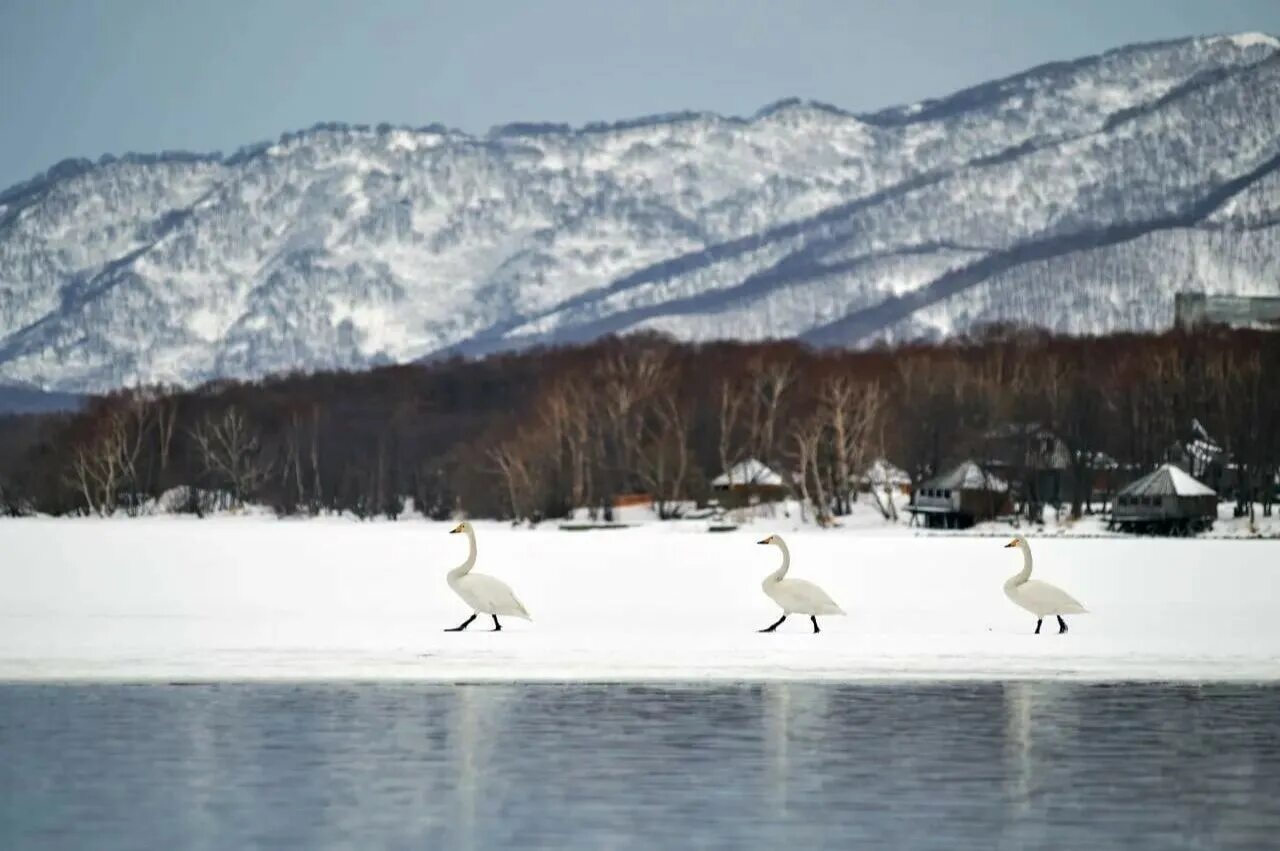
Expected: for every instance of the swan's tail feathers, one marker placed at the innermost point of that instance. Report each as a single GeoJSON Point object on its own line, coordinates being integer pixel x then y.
{"type": "Point", "coordinates": [523, 613]}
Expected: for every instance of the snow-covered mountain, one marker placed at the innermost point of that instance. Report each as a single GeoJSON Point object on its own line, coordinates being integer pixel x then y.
{"type": "Point", "coordinates": [1078, 196]}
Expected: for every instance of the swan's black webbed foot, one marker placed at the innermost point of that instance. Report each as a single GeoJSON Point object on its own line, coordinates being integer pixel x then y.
{"type": "Point", "coordinates": [775, 625]}
{"type": "Point", "coordinates": [1062, 625]}
{"type": "Point", "coordinates": [814, 618]}
{"type": "Point", "coordinates": [1038, 623]}
{"type": "Point", "coordinates": [497, 627]}
{"type": "Point", "coordinates": [460, 627]}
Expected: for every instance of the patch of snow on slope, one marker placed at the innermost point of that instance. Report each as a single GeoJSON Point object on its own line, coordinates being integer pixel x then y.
{"type": "Point", "coordinates": [792, 308]}
{"type": "Point", "coordinates": [1255, 39]}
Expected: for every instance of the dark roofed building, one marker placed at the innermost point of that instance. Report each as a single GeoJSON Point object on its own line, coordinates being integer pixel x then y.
{"type": "Point", "coordinates": [1033, 460]}
{"type": "Point", "coordinates": [1167, 500]}
{"type": "Point", "coordinates": [960, 497]}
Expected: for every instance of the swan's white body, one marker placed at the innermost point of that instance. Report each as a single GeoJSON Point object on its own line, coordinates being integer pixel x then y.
{"type": "Point", "coordinates": [484, 594]}
{"type": "Point", "coordinates": [796, 596]}
{"type": "Point", "coordinates": [1039, 598]}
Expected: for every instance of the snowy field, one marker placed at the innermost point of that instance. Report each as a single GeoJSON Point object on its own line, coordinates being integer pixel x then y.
{"type": "Point", "coordinates": [254, 598]}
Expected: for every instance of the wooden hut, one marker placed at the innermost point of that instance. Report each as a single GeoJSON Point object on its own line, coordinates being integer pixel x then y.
{"type": "Point", "coordinates": [1165, 501]}
{"type": "Point", "coordinates": [748, 482]}
{"type": "Point", "coordinates": [1035, 462]}
{"type": "Point", "coordinates": [960, 497]}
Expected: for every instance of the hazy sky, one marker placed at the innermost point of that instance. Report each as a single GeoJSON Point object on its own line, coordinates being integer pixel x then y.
{"type": "Point", "coordinates": [86, 77]}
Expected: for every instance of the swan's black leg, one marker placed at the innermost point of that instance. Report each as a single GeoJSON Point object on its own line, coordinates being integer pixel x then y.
{"type": "Point", "coordinates": [776, 624]}
{"type": "Point", "coordinates": [497, 627]}
{"type": "Point", "coordinates": [460, 627]}
{"type": "Point", "coordinates": [1062, 625]}
{"type": "Point", "coordinates": [814, 618]}
{"type": "Point", "coordinates": [1040, 621]}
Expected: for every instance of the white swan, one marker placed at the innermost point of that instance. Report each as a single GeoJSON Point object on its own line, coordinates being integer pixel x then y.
{"type": "Point", "coordinates": [1039, 598]}
{"type": "Point", "coordinates": [482, 593]}
{"type": "Point", "coordinates": [795, 596]}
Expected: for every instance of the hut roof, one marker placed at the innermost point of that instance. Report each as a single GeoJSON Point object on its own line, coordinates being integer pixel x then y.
{"type": "Point", "coordinates": [749, 472]}
{"type": "Point", "coordinates": [967, 475]}
{"type": "Point", "coordinates": [1167, 480]}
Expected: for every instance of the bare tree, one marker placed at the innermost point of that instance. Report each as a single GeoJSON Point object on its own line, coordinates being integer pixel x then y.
{"type": "Point", "coordinates": [565, 412]}
{"type": "Point", "coordinates": [104, 466]}
{"type": "Point", "coordinates": [95, 474]}
{"type": "Point", "coordinates": [165, 407]}
{"type": "Point", "coordinates": [770, 382]}
{"type": "Point", "coordinates": [316, 489]}
{"type": "Point", "coordinates": [851, 410]}
{"type": "Point", "coordinates": [523, 462]}
{"type": "Point", "coordinates": [229, 449]}
{"type": "Point", "coordinates": [627, 380]}
{"type": "Point", "coordinates": [664, 453]}
{"type": "Point", "coordinates": [511, 463]}
{"type": "Point", "coordinates": [806, 438]}
{"type": "Point", "coordinates": [291, 460]}
{"type": "Point", "coordinates": [886, 505]}
{"type": "Point", "coordinates": [729, 444]}
{"type": "Point", "coordinates": [1239, 388]}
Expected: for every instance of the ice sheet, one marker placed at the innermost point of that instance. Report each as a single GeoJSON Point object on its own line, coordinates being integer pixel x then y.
{"type": "Point", "coordinates": [177, 599]}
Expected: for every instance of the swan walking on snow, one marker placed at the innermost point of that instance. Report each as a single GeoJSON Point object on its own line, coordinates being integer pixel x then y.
{"type": "Point", "coordinates": [795, 596]}
{"type": "Point", "coordinates": [482, 593]}
{"type": "Point", "coordinates": [1039, 598]}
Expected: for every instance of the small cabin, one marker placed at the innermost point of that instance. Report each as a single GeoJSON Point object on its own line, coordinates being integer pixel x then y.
{"type": "Point", "coordinates": [749, 481]}
{"type": "Point", "coordinates": [958, 498]}
{"type": "Point", "coordinates": [1167, 500]}
{"type": "Point", "coordinates": [1035, 462]}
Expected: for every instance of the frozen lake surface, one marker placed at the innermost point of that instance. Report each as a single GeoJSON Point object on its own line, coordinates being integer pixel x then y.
{"type": "Point", "coordinates": [955, 766]}
{"type": "Point", "coordinates": [234, 599]}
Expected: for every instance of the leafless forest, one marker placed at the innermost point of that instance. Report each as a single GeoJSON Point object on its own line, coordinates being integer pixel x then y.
{"type": "Point", "coordinates": [531, 435]}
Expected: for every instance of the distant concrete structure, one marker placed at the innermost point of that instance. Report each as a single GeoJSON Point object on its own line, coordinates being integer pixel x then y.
{"type": "Point", "coordinates": [1239, 311]}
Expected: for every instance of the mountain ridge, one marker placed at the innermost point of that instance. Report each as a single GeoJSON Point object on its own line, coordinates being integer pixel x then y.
{"type": "Point", "coordinates": [345, 246]}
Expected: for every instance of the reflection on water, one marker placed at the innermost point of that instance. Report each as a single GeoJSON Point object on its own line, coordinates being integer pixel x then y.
{"type": "Point", "coordinates": [955, 766]}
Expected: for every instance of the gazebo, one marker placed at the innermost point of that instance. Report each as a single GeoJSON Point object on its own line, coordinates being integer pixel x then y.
{"type": "Point", "coordinates": [959, 497]}
{"type": "Point", "coordinates": [1167, 500]}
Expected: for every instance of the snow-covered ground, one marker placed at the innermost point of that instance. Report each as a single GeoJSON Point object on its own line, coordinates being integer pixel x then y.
{"type": "Point", "coordinates": [176, 599]}
{"type": "Point", "coordinates": [865, 518]}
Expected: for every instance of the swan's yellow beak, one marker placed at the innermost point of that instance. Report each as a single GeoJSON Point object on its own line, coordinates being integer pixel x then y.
{"type": "Point", "coordinates": [456, 529]}
{"type": "Point", "coordinates": [1012, 543]}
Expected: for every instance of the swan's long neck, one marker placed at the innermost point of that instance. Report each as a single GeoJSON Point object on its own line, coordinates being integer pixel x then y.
{"type": "Point", "coordinates": [465, 568]}
{"type": "Point", "coordinates": [777, 575]}
{"type": "Point", "coordinates": [1024, 574]}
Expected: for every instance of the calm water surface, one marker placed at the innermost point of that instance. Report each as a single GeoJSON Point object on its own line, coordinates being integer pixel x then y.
{"type": "Point", "coordinates": [779, 765]}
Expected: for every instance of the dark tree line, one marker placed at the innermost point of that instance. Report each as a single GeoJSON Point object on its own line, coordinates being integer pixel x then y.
{"type": "Point", "coordinates": [535, 434]}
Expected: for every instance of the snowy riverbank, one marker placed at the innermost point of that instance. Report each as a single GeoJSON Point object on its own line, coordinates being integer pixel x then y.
{"type": "Point", "coordinates": [254, 598]}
